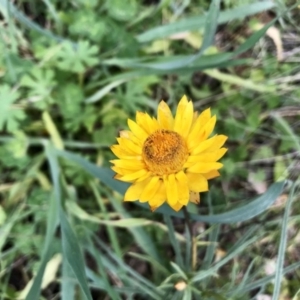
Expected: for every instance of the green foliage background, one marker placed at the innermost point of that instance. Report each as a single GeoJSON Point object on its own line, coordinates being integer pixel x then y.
{"type": "Point", "coordinates": [71, 74]}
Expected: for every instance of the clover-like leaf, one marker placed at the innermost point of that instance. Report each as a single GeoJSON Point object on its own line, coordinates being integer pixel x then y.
{"type": "Point", "coordinates": [77, 59]}
{"type": "Point", "coordinates": [40, 84]}
{"type": "Point", "coordinates": [10, 115]}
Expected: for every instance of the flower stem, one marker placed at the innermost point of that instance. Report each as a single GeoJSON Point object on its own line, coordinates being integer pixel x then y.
{"type": "Point", "coordinates": [192, 238]}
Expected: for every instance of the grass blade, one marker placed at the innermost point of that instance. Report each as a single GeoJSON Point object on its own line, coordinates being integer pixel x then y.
{"type": "Point", "coordinates": [174, 242]}
{"type": "Point", "coordinates": [104, 174]}
{"type": "Point", "coordinates": [52, 223]}
{"type": "Point", "coordinates": [197, 22]}
{"type": "Point", "coordinates": [241, 214]}
{"type": "Point", "coordinates": [68, 282]}
{"type": "Point", "coordinates": [282, 246]}
{"type": "Point", "coordinates": [71, 250]}
{"type": "Point", "coordinates": [6, 7]}
{"type": "Point", "coordinates": [203, 274]}
{"type": "Point", "coordinates": [211, 24]}
{"type": "Point", "coordinates": [264, 281]}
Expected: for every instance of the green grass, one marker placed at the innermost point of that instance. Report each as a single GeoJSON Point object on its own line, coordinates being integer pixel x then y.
{"type": "Point", "coordinates": [71, 74]}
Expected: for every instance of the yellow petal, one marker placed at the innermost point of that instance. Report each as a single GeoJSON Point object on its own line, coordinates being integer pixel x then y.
{"type": "Point", "coordinates": [203, 167]}
{"type": "Point", "coordinates": [121, 171]}
{"type": "Point", "coordinates": [204, 132]}
{"type": "Point", "coordinates": [124, 134]}
{"type": "Point", "coordinates": [134, 176]}
{"type": "Point", "coordinates": [138, 131]}
{"type": "Point", "coordinates": [117, 176]}
{"type": "Point", "coordinates": [176, 206]}
{"type": "Point", "coordinates": [171, 189]}
{"type": "Point", "coordinates": [218, 143]}
{"type": "Point", "coordinates": [198, 125]}
{"type": "Point", "coordinates": [128, 164]}
{"type": "Point", "coordinates": [129, 146]}
{"type": "Point", "coordinates": [197, 182]}
{"type": "Point", "coordinates": [179, 113]}
{"type": "Point", "coordinates": [184, 117]}
{"type": "Point", "coordinates": [141, 120]}
{"type": "Point", "coordinates": [134, 191]}
{"type": "Point", "coordinates": [164, 116]}
{"type": "Point", "coordinates": [207, 157]}
{"type": "Point", "coordinates": [145, 176]}
{"type": "Point", "coordinates": [119, 151]}
{"type": "Point", "coordinates": [183, 188]}
{"type": "Point", "coordinates": [212, 156]}
{"type": "Point", "coordinates": [202, 146]}
{"type": "Point", "coordinates": [183, 127]}
{"type": "Point", "coordinates": [151, 188]}
{"type": "Point", "coordinates": [194, 197]}
{"type": "Point", "coordinates": [159, 198]}
{"type": "Point", "coordinates": [212, 174]}
{"type": "Point", "coordinates": [134, 138]}
{"type": "Point", "coordinates": [209, 127]}
{"type": "Point", "coordinates": [195, 117]}
{"type": "Point", "coordinates": [151, 124]}
{"type": "Point", "coordinates": [146, 122]}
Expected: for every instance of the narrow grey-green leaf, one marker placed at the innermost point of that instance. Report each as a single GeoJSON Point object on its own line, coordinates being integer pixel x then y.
{"type": "Point", "coordinates": [104, 174]}
{"type": "Point", "coordinates": [7, 8]}
{"type": "Point", "coordinates": [72, 253]}
{"type": "Point", "coordinates": [240, 214]}
{"type": "Point", "coordinates": [197, 22]}
{"type": "Point", "coordinates": [71, 250]}
{"type": "Point", "coordinates": [265, 280]}
{"type": "Point", "coordinates": [68, 282]}
{"type": "Point", "coordinates": [246, 212]}
{"type": "Point", "coordinates": [253, 39]}
{"type": "Point", "coordinates": [282, 245]}
{"type": "Point", "coordinates": [174, 242]}
{"type": "Point", "coordinates": [211, 24]}
{"type": "Point", "coordinates": [52, 222]}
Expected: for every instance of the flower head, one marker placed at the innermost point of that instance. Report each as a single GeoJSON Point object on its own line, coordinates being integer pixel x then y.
{"type": "Point", "coordinates": [168, 159]}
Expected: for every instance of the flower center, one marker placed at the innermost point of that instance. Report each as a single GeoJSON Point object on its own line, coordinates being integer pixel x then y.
{"type": "Point", "coordinates": [164, 152]}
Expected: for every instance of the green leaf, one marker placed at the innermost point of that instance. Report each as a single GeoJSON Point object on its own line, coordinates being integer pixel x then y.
{"type": "Point", "coordinates": [104, 174]}
{"type": "Point", "coordinates": [243, 213]}
{"type": "Point", "coordinates": [72, 253]}
{"type": "Point", "coordinates": [40, 84]}
{"type": "Point", "coordinates": [87, 24]}
{"type": "Point", "coordinates": [246, 212]}
{"type": "Point", "coordinates": [68, 282]}
{"type": "Point", "coordinates": [283, 244]}
{"type": "Point", "coordinates": [202, 274]}
{"type": "Point", "coordinates": [103, 91]}
{"type": "Point", "coordinates": [7, 9]}
{"type": "Point", "coordinates": [252, 40]}
{"type": "Point", "coordinates": [71, 250]}
{"type": "Point", "coordinates": [52, 223]}
{"type": "Point", "coordinates": [174, 241]}
{"type": "Point", "coordinates": [3, 217]}
{"type": "Point", "coordinates": [165, 64]}
{"type": "Point", "coordinates": [268, 279]}
{"type": "Point", "coordinates": [123, 223]}
{"type": "Point", "coordinates": [211, 24]}
{"type": "Point", "coordinates": [194, 23]}
{"type": "Point", "coordinates": [122, 10]}
{"type": "Point", "coordinates": [77, 59]}
{"type": "Point", "coordinates": [10, 115]}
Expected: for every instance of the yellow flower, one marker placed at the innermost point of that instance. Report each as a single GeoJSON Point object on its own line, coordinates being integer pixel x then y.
{"type": "Point", "coordinates": [169, 158]}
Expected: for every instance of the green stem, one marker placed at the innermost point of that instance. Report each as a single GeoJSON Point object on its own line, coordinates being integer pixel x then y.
{"type": "Point", "coordinates": [192, 238]}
